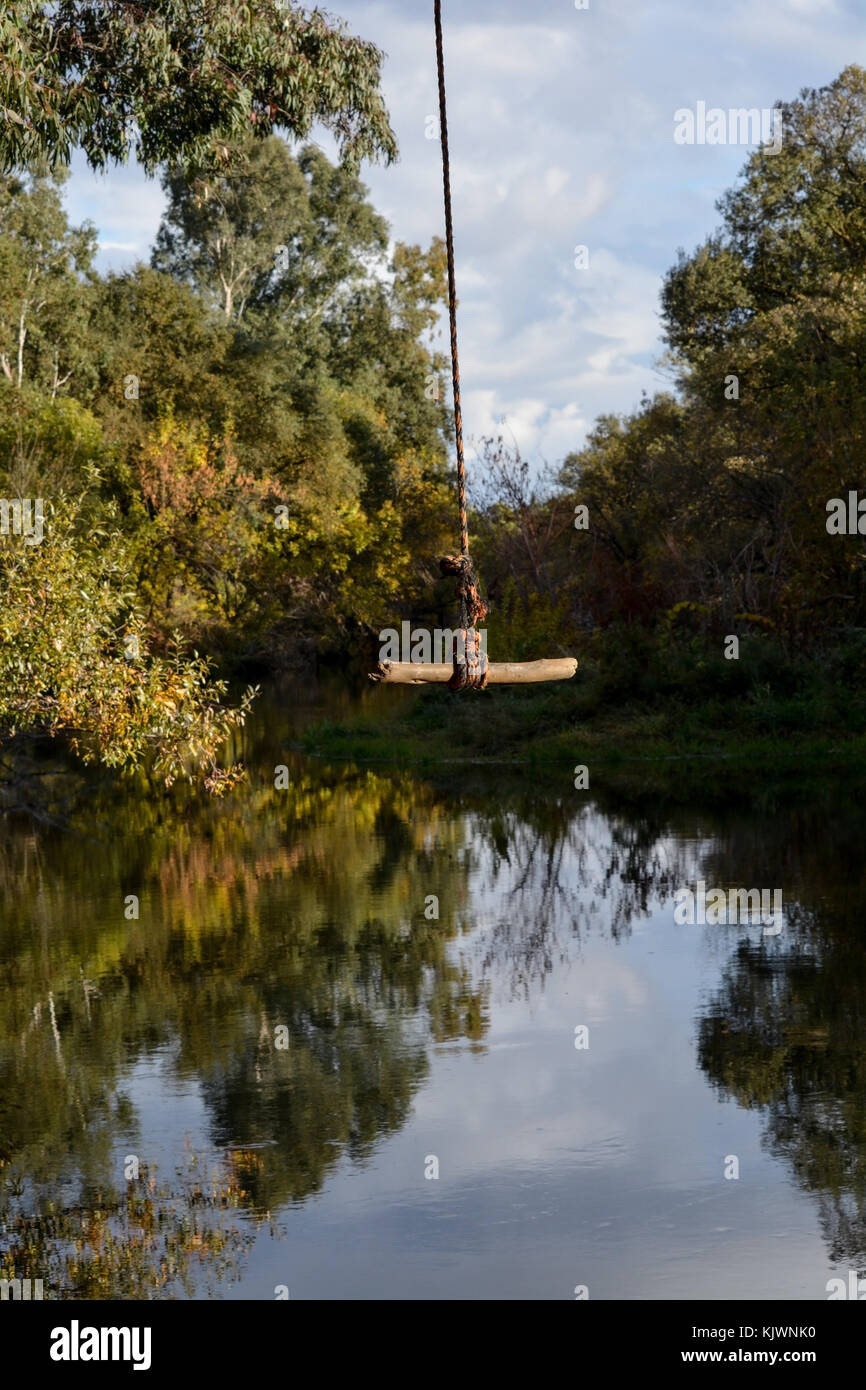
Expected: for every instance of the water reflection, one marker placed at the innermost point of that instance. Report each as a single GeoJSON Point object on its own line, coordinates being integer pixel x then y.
{"type": "Point", "coordinates": [301, 954]}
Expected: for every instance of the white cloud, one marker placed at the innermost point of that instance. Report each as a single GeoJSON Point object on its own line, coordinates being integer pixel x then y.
{"type": "Point", "coordinates": [561, 126]}
{"type": "Point", "coordinates": [125, 206]}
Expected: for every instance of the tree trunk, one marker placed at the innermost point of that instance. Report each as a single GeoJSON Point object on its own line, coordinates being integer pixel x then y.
{"type": "Point", "coordinates": [22, 337]}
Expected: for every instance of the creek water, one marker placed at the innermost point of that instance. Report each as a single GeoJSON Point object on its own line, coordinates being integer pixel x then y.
{"type": "Point", "coordinates": [434, 1033]}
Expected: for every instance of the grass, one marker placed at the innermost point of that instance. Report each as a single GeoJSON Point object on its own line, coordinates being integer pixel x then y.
{"type": "Point", "coordinates": [573, 721]}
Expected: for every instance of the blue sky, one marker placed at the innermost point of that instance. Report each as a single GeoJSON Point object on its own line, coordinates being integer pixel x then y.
{"type": "Point", "coordinates": [561, 126]}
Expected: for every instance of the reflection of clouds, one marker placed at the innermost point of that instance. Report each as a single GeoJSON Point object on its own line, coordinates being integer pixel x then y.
{"type": "Point", "coordinates": [614, 986]}
{"type": "Point", "coordinates": [537, 889]}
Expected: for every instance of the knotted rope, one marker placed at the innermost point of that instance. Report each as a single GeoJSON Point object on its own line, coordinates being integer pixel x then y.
{"type": "Point", "coordinates": [470, 666]}
{"type": "Point", "coordinates": [470, 663]}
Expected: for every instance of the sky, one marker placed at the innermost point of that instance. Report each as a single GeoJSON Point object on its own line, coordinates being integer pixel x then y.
{"type": "Point", "coordinates": [561, 125]}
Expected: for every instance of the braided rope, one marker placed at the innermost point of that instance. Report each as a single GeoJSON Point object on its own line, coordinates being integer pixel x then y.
{"type": "Point", "coordinates": [470, 668]}
{"type": "Point", "coordinates": [452, 284]}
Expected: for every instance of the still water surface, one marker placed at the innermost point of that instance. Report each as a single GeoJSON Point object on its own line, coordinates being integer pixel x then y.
{"type": "Point", "coordinates": [287, 1023]}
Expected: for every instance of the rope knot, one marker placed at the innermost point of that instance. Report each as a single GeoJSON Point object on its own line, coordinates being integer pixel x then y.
{"type": "Point", "coordinates": [473, 609]}
{"type": "Point", "coordinates": [470, 663]}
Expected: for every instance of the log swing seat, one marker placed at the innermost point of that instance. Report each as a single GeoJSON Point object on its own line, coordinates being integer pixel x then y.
{"type": "Point", "coordinates": [471, 669]}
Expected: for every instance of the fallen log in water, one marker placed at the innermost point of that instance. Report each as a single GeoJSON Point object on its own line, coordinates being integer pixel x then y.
{"type": "Point", "coordinates": [498, 672]}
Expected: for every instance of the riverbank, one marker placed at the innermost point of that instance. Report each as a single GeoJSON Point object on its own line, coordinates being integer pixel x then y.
{"type": "Point", "coordinates": [565, 722]}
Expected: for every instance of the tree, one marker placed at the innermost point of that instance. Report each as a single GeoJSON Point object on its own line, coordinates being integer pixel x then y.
{"type": "Point", "coordinates": [48, 445]}
{"type": "Point", "coordinates": [328, 373]}
{"type": "Point", "coordinates": [74, 662]}
{"type": "Point", "coordinates": [276, 231]}
{"type": "Point", "coordinates": [181, 80]}
{"type": "Point", "coordinates": [776, 301]}
{"type": "Point", "coordinates": [156, 347]}
{"type": "Point", "coordinates": [708, 509]}
{"type": "Point", "coordinates": [794, 229]}
{"type": "Point", "coordinates": [43, 263]}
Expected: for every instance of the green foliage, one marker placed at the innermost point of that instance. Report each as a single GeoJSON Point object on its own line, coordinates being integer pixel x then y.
{"type": "Point", "coordinates": [256, 453]}
{"type": "Point", "coordinates": [275, 233]}
{"type": "Point", "coordinates": [47, 446]}
{"type": "Point", "coordinates": [73, 661]}
{"type": "Point", "coordinates": [277, 482]}
{"type": "Point", "coordinates": [180, 80]}
{"type": "Point", "coordinates": [44, 267]}
{"type": "Point", "coordinates": [708, 508]}
{"type": "Point", "coordinates": [521, 627]}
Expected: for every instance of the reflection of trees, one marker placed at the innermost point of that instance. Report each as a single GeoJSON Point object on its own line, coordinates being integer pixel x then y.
{"type": "Point", "coordinates": [786, 1031]}
{"type": "Point", "coordinates": [559, 870]}
{"type": "Point", "coordinates": [301, 908]}
{"type": "Point", "coordinates": [304, 909]}
{"type": "Point", "coordinates": [148, 1242]}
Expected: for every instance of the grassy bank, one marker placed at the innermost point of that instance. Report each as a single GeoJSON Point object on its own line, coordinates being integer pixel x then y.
{"type": "Point", "coordinates": [645, 707]}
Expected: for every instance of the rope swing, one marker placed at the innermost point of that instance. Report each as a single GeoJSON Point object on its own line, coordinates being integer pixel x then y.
{"type": "Point", "coordinates": [470, 667]}
{"type": "Point", "coordinates": [471, 670]}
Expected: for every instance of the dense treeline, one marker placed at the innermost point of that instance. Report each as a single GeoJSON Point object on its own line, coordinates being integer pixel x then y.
{"type": "Point", "coordinates": [257, 405]}
{"type": "Point", "coordinates": [707, 510]}
{"type": "Point", "coordinates": [243, 444]}
{"type": "Point", "coordinates": [246, 435]}
{"type": "Point", "coordinates": [217, 440]}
